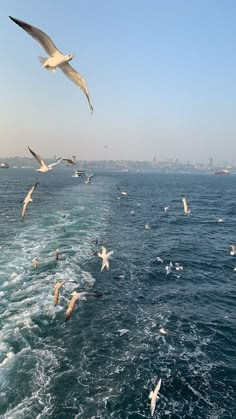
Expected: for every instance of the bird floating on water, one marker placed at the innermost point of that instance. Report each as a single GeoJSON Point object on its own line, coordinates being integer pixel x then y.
{"type": "Point", "coordinates": [28, 199]}
{"type": "Point", "coordinates": [186, 207]}
{"type": "Point", "coordinates": [168, 268]}
{"type": "Point", "coordinates": [178, 267]}
{"type": "Point", "coordinates": [105, 256]}
{"type": "Point", "coordinates": [154, 397]}
{"type": "Point", "coordinates": [43, 166]}
{"type": "Point", "coordinates": [163, 331]}
{"type": "Point", "coordinates": [75, 297]}
{"type": "Point", "coordinates": [233, 251]}
{"type": "Point", "coordinates": [122, 192]}
{"type": "Point", "coordinates": [55, 59]}
{"type": "Point", "coordinates": [35, 262]}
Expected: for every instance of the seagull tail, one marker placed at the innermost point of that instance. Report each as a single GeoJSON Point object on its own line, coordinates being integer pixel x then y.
{"type": "Point", "coordinates": [42, 61]}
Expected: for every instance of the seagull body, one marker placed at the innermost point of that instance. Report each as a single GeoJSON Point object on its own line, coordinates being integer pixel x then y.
{"type": "Point", "coordinates": [122, 192]}
{"type": "Point", "coordinates": [154, 396]}
{"type": "Point", "coordinates": [28, 199]}
{"type": "Point", "coordinates": [57, 287]}
{"type": "Point", "coordinates": [186, 208]}
{"type": "Point", "coordinates": [163, 331]}
{"type": "Point", "coordinates": [168, 268]}
{"type": "Point", "coordinates": [35, 262]}
{"type": "Point", "coordinates": [166, 208]}
{"type": "Point", "coordinates": [105, 256]}
{"type": "Point", "coordinates": [233, 251]}
{"type": "Point", "coordinates": [55, 59]}
{"type": "Point", "coordinates": [88, 180]}
{"type": "Point", "coordinates": [75, 297]}
{"type": "Point", "coordinates": [43, 167]}
{"type": "Point", "coordinates": [70, 162]}
{"type": "Point", "coordinates": [178, 267]}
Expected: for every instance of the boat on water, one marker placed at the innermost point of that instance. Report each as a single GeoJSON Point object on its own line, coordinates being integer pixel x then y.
{"type": "Point", "coordinates": [79, 173]}
{"type": "Point", "coordinates": [222, 172]}
{"type": "Point", "coordinates": [4, 166]}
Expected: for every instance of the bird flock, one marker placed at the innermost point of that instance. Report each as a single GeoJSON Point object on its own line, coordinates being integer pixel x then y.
{"type": "Point", "coordinates": [57, 60]}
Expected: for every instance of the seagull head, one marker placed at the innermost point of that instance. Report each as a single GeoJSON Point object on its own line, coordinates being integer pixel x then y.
{"type": "Point", "coordinates": [70, 57]}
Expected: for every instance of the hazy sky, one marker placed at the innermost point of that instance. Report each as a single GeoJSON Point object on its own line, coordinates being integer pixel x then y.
{"type": "Point", "coordinates": [161, 76]}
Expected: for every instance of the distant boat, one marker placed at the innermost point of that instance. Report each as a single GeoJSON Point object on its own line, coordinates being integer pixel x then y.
{"type": "Point", "coordinates": [222, 172]}
{"type": "Point", "coordinates": [4, 166]}
{"type": "Point", "coordinates": [79, 173]}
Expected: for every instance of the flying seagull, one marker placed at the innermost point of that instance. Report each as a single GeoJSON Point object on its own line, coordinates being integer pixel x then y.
{"type": "Point", "coordinates": [55, 59]}
{"type": "Point", "coordinates": [186, 208]}
{"type": "Point", "coordinates": [88, 180]}
{"type": "Point", "coordinates": [70, 162]}
{"type": "Point", "coordinates": [57, 287]}
{"type": "Point", "coordinates": [77, 296]}
{"type": "Point", "coordinates": [43, 167]}
{"type": "Point", "coordinates": [105, 256]}
{"type": "Point", "coordinates": [154, 396]}
{"type": "Point", "coordinates": [28, 199]}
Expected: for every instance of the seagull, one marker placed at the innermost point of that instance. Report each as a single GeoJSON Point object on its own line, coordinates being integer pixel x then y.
{"type": "Point", "coordinates": [168, 268]}
{"type": "Point", "coordinates": [163, 331]}
{"type": "Point", "coordinates": [43, 167]}
{"type": "Point", "coordinates": [70, 162]}
{"type": "Point", "coordinates": [105, 146]}
{"type": "Point", "coordinates": [166, 208]}
{"type": "Point", "coordinates": [88, 180]}
{"type": "Point", "coordinates": [122, 192]}
{"type": "Point", "coordinates": [233, 251]}
{"type": "Point", "coordinates": [57, 287]}
{"type": "Point", "coordinates": [55, 59]}
{"type": "Point", "coordinates": [35, 262]}
{"type": "Point", "coordinates": [122, 331]}
{"type": "Point", "coordinates": [178, 267]}
{"type": "Point", "coordinates": [105, 256]}
{"type": "Point", "coordinates": [77, 296]}
{"type": "Point", "coordinates": [159, 259]}
{"type": "Point", "coordinates": [147, 227]}
{"type": "Point", "coordinates": [27, 200]}
{"type": "Point", "coordinates": [186, 208]}
{"type": "Point", "coordinates": [154, 396]}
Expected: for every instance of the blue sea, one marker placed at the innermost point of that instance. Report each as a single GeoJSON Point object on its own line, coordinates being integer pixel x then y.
{"type": "Point", "coordinates": [104, 361]}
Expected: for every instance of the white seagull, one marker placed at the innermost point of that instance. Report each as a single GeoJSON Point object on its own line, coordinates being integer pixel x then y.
{"type": "Point", "coordinates": [28, 199]}
{"type": "Point", "coordinates": [55, 59]}
{"type": "Point", "coordinates": [122, 192]}
{"type": "Point", "coordinates": [163, 331]}
{"type": "Point", "coordinates": [105, 256]}
{"type": "Point", "coordinates": [168, 268]}
{"type": "Point", "coordinates": [88, 180]}
{"type": "Point", "coordinates": [159, 259]}
{"type": "Point", "coordinates": [43, 167]}
{"type": "Point", "coordinates": [166, 208]}
{"type": "Point", "coordinates": [186, 208]}
{"type": "Point", "coordinates": [154, 396]}
{"type": "Point", "coordinates": [233, 251]}
{"type": "Point", "coordinates": [178, 267]}
{"type": "Point", "coordinates": [75, 297]}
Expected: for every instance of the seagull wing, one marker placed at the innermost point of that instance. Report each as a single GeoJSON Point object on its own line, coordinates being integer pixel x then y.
{"type": "Point", "coordinates": [54, 164]}
{"type": "Point", "coordinates": [28, 199]}
{"type": "Point", "coordinates": [157, 389]}
{"type": "Point", "coordinates": [41, 37]}
{"type": "Point", "coordinates": [38, 158]}
{"type": "Point", "coordinates": [74, 76]}
{"type": "Point", "coordinates": [69, 161]}
{"type": "Point", "coordinates": [109, 254]}
{"type": "Point", "coordinates": [90, 176]}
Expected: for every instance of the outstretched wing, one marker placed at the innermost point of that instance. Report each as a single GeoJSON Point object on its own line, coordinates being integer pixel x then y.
{"type": "Point", "coordinates": [38, 158]}
{"type": "Point", "coordinates": [41, 37]}
{"type": "Point", "coordinates": [54, 164]}
{"type": "Point", "coordinates": [74, 76]}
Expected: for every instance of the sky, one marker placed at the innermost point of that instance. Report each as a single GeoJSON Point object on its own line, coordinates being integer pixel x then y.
{"type": "Point", "coordinates": [161, 76]}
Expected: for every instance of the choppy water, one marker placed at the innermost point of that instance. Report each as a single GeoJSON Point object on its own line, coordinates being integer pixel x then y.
{"type": "Point", "coordinates": [85, 368]}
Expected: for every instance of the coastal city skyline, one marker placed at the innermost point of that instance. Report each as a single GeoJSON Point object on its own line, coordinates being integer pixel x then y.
{"type": "Point", "coordinates": [161, 78]}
